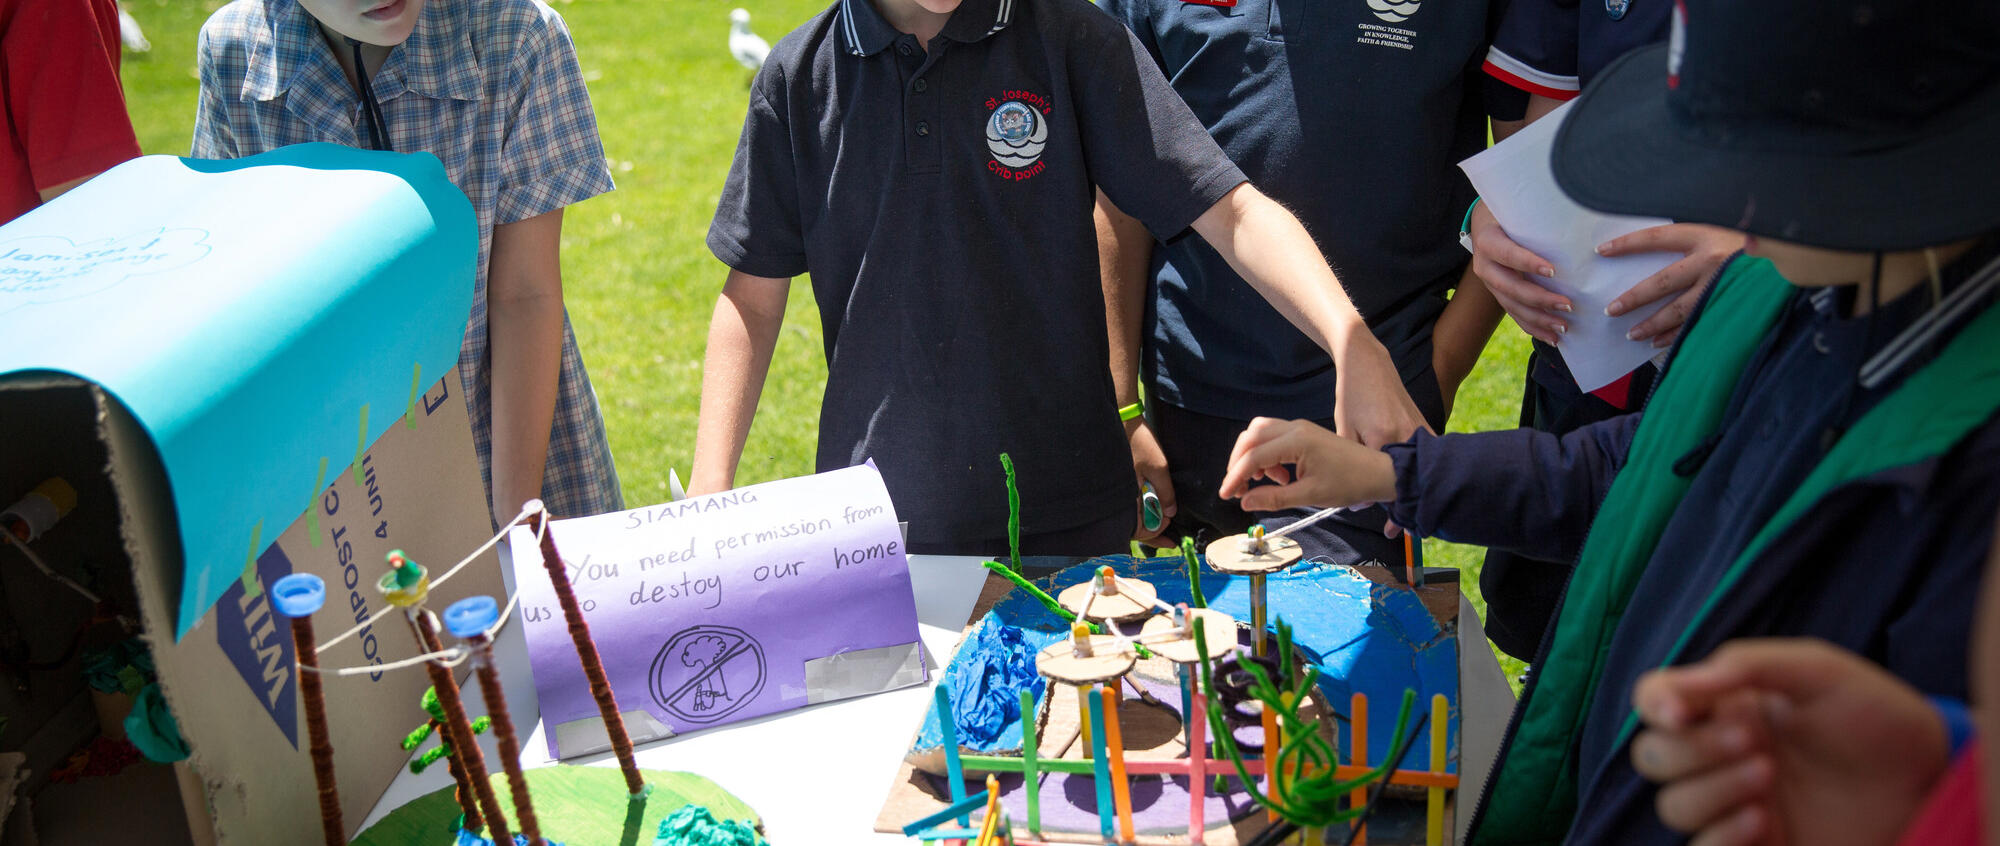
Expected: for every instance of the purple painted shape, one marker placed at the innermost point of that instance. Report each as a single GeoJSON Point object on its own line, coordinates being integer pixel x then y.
{"type": "Point", "coordinates": [706, 611]}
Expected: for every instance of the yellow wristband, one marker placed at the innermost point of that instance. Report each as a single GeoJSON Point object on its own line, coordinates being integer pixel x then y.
{"type": "Point", "coordinates": [1131, 411]}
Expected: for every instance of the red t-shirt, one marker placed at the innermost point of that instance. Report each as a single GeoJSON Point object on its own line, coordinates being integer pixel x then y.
{"type": "Point", "coordinates": [64, 112]}
{"type": "Point", "coordinates": [1952, 816]}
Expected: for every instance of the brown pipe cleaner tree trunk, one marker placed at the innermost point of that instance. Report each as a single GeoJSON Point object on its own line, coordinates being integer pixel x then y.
{"type": "Point", "coordinates": [586, 653]}
{"type": "Point", "coordinates": [307, 648]}
{"type": "Point", "coordinates": [459, 729]}
{"type": "Point", "coordinates": [503, 731]}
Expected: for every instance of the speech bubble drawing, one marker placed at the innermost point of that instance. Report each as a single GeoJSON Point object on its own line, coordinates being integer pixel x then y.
{"type": "Point", "coordinates": [43, 269]}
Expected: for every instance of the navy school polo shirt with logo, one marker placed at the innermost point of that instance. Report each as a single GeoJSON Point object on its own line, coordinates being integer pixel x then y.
{"type": "Point", "coordinates": [942, 204]}
{"type": "Point", "coordinates": [1353, 114]}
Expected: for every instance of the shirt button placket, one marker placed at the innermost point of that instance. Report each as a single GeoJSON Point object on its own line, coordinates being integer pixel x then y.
{"type": "Point", "coordinates": [921, 109]}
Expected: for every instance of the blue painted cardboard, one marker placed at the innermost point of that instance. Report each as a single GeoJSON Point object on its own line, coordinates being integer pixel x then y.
{"type": "Point", "coordinates": [254, 315]}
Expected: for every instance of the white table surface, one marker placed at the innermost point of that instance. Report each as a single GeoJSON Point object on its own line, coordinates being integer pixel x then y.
{"type": "Point", "coordinates": [818, 775]}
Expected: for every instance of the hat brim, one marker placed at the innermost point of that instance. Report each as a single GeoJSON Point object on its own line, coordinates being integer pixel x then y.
{"type": "Point", "coordinates": [1620, 151]}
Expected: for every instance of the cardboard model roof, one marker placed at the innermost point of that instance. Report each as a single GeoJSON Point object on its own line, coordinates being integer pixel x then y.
{"type": "Point", "coordinates": [249, 313]}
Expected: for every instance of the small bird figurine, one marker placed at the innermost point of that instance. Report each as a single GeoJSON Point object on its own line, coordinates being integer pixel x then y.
{"type": "Point", "coordinates": [746, 46]}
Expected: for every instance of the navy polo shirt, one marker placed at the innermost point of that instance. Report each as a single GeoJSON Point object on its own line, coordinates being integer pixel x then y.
{"type": "Point", "coordinates": [941, 202]}
{"type": "Point", "coordinates": [1354, 116]}
{"type": "Point", "coordinates": [1555, 47]}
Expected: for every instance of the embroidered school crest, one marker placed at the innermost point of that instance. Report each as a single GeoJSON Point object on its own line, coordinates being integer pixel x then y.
{"type": "Point", "coordinates": [1016, 134]}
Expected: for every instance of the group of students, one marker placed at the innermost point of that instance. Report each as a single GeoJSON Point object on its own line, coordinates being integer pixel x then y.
{"type": "Point", "coordinates": [1016, 213]}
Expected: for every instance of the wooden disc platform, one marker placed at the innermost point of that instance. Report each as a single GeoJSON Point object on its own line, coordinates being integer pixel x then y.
{"type": "Point", "coordinates": [1227, 556]}
{"type": "Point", "coordinates": [1217, 628]}
{"type": "Point", "coordinates": [1109, 660]}
{"type": "Point", "coordinates": [1133, 601]}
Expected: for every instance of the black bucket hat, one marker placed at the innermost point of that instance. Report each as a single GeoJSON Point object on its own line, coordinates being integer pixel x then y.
{"type": "Point", "coordinates": [1860, 125]}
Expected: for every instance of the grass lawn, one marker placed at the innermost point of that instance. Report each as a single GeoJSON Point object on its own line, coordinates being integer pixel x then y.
{"type": "Point", "coordinates": [639, 280]}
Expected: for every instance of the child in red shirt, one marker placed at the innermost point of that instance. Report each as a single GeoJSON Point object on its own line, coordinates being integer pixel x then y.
{"type": "Point", "coordinates": [64, 115]}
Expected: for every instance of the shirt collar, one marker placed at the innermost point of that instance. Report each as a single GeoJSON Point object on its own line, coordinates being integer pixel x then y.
{"type": "Point", "coordinates": [976, 19]}
{"type": "Point", "coordinates": [864, 32]}
{"type": "Point", "coordinates": [437, 61]}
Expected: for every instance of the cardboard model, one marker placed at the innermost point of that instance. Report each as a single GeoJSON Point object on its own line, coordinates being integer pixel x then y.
{"type": "Point", "coordinates": [245, 369]}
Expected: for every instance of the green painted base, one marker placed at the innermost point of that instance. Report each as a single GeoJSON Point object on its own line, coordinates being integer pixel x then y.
{"type": "Point", "coordinates": [577, 806]}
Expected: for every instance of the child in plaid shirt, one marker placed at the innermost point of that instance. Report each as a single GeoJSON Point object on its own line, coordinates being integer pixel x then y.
{"type": "Point", "coordinates": [495, 93]}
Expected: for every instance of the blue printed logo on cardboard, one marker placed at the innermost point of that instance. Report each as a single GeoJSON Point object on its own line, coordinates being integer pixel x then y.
{"type": "Point", "coordinates": [259, 641]}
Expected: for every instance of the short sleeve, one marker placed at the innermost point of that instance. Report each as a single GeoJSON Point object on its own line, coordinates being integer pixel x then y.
{"type": "Point", "coordinates": [63, 95]}
{"type": "Point", "coordinates": [551, 156]}
{"type": "Point", "coordinates": [1535, 48]}
{"type": "Point", "coordinates": [756, 228]}
{"type": "Point", "coordinates": [1145, 148]}
{"type": "Point", "coordinates": [214, 136]}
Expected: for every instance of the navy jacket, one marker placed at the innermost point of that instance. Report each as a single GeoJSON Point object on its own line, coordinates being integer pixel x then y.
{"type": "Point", "coordinates": [1886, 566]}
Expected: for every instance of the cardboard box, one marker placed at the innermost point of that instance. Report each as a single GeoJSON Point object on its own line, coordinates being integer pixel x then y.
{"type": "Point", "coordinates": [231, 682]}
{"type": "Point", "coordinates": [196, 347]}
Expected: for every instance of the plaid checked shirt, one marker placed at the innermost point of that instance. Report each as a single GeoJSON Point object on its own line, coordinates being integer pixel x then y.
{"type": "Point", "coordinates": [491, 88]}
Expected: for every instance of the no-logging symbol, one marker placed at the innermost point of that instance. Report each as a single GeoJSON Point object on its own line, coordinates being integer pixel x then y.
{"type": "Point", "coordinates": [705, 673]}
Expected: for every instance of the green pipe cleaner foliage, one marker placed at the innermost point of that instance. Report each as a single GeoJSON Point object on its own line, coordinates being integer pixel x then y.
{"type": "Point", "coordinates": [1309, 801]}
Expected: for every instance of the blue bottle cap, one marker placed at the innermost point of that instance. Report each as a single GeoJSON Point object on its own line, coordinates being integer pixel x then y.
{"type": "Point", "coordinates": [471, 616]}
{"type": "Point", "coordinates": [298, 594]}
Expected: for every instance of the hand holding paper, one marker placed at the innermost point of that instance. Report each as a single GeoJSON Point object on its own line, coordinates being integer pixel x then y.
{"type": "Point", "coordinates": [1515, 181]}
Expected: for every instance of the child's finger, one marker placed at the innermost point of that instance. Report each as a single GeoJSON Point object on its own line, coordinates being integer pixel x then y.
{"type": "Point", "coordinates": [1664, 755]}
{"type": "Point", "coordinates": [1242, 468]}
{"type": "Point", "coordinates": [1276, 497]}
{"type": "Point", "coordinates": [1665, 238]}
{"type": "Point", "coordinates": [1671, 280]}
{"type": "Point", "coordinates": [1692, 804]}
{"type": "Point", "coordinates": [1742, 827]}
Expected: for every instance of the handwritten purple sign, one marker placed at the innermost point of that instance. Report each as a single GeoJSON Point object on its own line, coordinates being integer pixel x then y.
{"type": "Point", "coordinates": [721, 608]}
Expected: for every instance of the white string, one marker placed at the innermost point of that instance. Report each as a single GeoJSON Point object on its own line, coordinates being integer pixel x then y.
{"type": "Point", "coordinates": [489, 544]}
{"type": "Point", "coordinates": [1322, 515]}
{"type": "Point", "coordinates": [450, 657]}
{"type": "Point", "coordinates": [47, 570]}
{"type": "Point", "coordinates": [506, 612]}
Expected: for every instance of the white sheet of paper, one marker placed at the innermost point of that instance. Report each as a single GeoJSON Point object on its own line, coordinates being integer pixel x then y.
{"type": "Point", "coordinates": [1515, 181]}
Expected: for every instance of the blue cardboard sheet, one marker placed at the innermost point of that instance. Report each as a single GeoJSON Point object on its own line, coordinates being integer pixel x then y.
{"type": "Point", "coordinates": [255, 315]}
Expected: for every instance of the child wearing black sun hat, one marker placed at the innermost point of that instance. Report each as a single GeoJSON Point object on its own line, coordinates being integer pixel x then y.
{"type": "Point", "coordinates": [1821, 457]}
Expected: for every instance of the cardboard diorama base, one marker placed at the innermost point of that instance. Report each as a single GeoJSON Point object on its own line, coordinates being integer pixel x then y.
{"type": "Point", "coordinates": [1152, 731]}
{"type": "Point", "coordinates": [231, 681]}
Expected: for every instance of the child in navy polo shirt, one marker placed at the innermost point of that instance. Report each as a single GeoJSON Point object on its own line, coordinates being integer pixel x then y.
{"type": "Point", "coordinates": [1821, 456]}
{"type": "Point", "coordinates": [933, 165]}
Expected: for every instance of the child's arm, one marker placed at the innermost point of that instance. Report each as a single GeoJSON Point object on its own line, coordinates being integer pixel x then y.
{"type": "Point", "coordinates": [1268, 247]}
{"type": "Point", "coordinates": [1124, 249]}
{"type": "Point", "coordinates": [1520, 490]}
{"type": "Point", "coordinates": [524, 321]}
{"type": "Point", "coordinates": [1462, 330]}
{"type": "Point", "coordinates": [741, 336]}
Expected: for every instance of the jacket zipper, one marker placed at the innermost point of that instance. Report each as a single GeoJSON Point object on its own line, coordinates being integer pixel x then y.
{"type": "Point", "coordinates": [1542, 650]}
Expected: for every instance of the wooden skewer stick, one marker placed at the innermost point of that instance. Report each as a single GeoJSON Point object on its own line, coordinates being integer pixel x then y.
{"type": "Point", "coordinates": [469, 619]}
{"type": "Point", "coordinates": [297, 596]}
{"type": "Point", "coordinates": [586, 651]}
